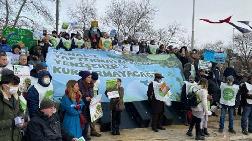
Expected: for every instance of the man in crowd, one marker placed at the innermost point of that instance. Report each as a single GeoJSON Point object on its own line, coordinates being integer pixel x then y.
{"type": "Point", "coordinates": [44, 126]}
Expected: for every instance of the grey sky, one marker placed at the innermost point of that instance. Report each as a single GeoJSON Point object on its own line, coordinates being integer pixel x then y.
{"type": "Point", "coordinates": [180, 11]}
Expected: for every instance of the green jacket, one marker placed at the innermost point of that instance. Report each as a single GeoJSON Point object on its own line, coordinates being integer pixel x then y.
{"type": "Point", "coordinates": [9, 109]}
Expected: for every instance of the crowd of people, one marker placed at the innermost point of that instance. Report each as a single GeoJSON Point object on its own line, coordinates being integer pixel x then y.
{"type": "Point", "coordinates": [29, 113]}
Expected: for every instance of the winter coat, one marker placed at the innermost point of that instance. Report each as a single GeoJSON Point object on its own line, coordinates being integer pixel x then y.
{"type": "Point", "coordinates": [114, 102]}
{"type": "Point", "coordinates": [71, 121]}
{"type": "Point", "coordinates": [214, 90]}
{"type": "Point", "coordinates": [201, 109]}
{"type": "Point", "coordinates": [5, 48]}
{"type": "Point", "coordinates": [243, 95]}
{"type": "Point", "coordinates": [44, 128]}
{"type": "Point", "coordinates": [9, 109]}
{"type": "Point", "coordinates": [32, 99]}
{"type": "Point", "coordinates": [86, 92]}
{"type": "Point", "coordinates": [157, 107]}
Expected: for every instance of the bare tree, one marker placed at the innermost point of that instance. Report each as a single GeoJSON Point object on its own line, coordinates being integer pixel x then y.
{"type": "Point", "coordinates": [21, 12]}
{"type": "Point", "coordinates": [172, 34]}
{"type": "Point", "coordinates": [129, 17]}
{"type": "Point", "coordinates": [216, 46]}
{"type": "Point", "coordinates": [243, 44]}
{"type": "Point", "coordinates": [84, 12]}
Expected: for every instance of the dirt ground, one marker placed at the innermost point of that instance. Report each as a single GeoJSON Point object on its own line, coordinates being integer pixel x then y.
{"type": "Point", "coordinates": [176, 133]}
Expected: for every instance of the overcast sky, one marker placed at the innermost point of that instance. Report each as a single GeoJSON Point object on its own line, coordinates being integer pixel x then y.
{"type": "Point", "coordinates": [180, 11]}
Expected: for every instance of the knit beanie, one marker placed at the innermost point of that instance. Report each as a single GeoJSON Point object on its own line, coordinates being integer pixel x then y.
{"type": "Point", "coordinates": [84, 74]}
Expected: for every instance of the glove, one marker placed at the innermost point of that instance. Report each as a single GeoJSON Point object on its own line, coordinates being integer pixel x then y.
{"type": "Point", "coordinates": [19, 121]}
{"type": "Point", "coordinates": [77, 107]}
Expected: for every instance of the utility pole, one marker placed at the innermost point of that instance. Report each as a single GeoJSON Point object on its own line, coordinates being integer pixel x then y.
{"type": "Point", "coordinates": [57, 15]}
{"type": "Point", "coordinates": [193, 16]}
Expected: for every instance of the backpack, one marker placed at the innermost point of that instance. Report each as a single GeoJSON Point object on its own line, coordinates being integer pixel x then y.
{"type": "Point", "coordinates": [193, 98]}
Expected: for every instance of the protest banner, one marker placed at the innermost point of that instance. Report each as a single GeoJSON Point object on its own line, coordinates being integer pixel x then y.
{"type": "Point", "coordinates": [136, 71]}
{"type": "Point", "coordinates": [95, 108]}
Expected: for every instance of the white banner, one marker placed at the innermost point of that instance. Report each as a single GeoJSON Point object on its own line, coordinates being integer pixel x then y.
{"type": "Point", "coordinates": [95, 108]}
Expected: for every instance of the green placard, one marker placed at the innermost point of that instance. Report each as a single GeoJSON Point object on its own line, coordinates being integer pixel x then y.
{"type": "Point", "coordinates": [15, 35]}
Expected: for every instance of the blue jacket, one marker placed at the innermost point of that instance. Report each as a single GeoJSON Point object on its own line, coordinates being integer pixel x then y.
{"type": "Point", "coordinates": [32, 99]}
{"type": "Point", "coordinates": [5, 48]}
{"type": "Point", "coordinates": [71, 121]}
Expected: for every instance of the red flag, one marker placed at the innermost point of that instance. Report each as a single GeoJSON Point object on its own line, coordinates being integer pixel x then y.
{"type": "Point", "coordinates": [227, 20]}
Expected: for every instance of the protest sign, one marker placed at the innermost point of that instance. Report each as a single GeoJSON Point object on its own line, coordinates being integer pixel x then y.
{"type": "Point", "coordinates": [162, 93]}
{"type": "Point", "coordinates": [217, 57]}
{"type": "Point", "coordinates": [16, 35]}
{"type": "Point", "coordinates": [95, 108]}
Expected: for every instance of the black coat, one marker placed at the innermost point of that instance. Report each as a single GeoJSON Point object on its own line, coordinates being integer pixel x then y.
{"type": "Point", "coordinates": [157, 107]}
{"type": "Point", "coordinates": [43, 128]}
{"type": "Point", "coordinates": [243, 95]}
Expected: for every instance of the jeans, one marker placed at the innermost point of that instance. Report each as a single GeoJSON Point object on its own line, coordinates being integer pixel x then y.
{"type": "Point", "coordinates": [230, 115]}
{"type": "Point", "coordinates": [246, 120]}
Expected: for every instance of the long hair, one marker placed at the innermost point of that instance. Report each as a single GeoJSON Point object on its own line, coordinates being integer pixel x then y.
{"type": "Point", "coordinates": [203, 83]}
{"type": "Point", "coordinates": [70, 90]}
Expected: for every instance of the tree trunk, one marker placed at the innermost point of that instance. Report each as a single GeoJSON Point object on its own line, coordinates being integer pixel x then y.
{"type": "Point", "coordinates": [57, 16]}
{"type": "Point", "coordinates": [7, 13]}
{"type": "Point", "coordinates": [19, 12]}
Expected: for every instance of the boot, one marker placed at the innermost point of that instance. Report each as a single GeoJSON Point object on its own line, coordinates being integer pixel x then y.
{"type": "Point", "coordinates": [202, 132]}
{"type": "Point", "coordinates": [96, 134]}
{"type": "Point", "coordinates": [199, 137]}
{"type": "Point", "coordinates": [189, 132]}
{"type": "Point", "coordinates": [206, 132]}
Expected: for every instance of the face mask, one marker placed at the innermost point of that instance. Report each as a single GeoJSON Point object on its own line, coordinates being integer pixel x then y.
{"type": "Point", "coordinates": [46, 81]}
{"type": "Point", "coordinates": [13, 90]}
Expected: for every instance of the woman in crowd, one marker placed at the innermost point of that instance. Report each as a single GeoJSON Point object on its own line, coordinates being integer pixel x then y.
{"type": "Point", "coordinates": [10, 119]}
{"type": "Point", "coordinates": [116, 106]}
{"type": "Point", "coordinates": [200, 110]}
{"type": "Point", "coordinates": [71, 105]}
{"type": "Point", "coordinates": [86, 89]}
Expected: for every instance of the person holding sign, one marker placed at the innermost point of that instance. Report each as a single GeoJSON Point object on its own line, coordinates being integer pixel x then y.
{"type": "Point", "coordinates": [71, 105]}
{"type": "Point", "coordinates": [157, 106]}
{"type": "Point", "coordinates": [246, 103]}
{"type": "Point", "coordinates": [105, 42]}
{"type": "Point", "coordinates": [116, 106]}
{"type": "Point", "coordinates": [227, 101]}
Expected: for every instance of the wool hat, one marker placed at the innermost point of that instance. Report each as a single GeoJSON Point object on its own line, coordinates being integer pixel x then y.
{"type": "Point", "coordinates": [46, 103]}
{"type": "Point", "coordinates": [158, 75]}
{"type": "Point", "coordinates": [84, 74]}
{"type": "Point", "coordinates": [230, 78]}
{"type": "Point", "coordinates": [94, 76]}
